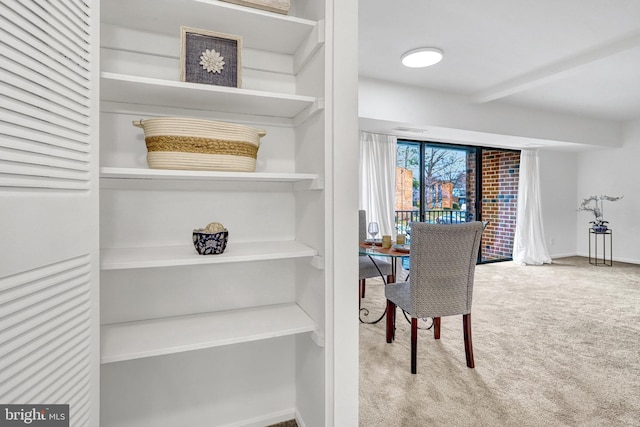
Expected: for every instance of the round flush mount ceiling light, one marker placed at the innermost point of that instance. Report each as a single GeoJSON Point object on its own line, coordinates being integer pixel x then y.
{"type": "Point", "coordinates": [422, 57]}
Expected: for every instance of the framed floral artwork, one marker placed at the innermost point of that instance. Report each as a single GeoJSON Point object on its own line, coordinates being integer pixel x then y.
{"type": "Point", "coordinates": [210, 57]}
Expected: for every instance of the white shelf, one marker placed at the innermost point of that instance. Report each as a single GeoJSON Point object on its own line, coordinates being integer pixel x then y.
{"type": "Point", "coordinates": [127, 174]}
{"type": "Point", "coordinates": [134, 340]}
{"type": "Point", "coordinates": [170, 256]}
{"type": "Point", "coordinates": [259, 29]}
{"type": "Point", "coordinates": [131, 89]}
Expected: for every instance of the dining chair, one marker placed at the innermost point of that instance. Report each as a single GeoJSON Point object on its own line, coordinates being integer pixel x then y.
{"type": "Point", "coordinates": [443, 261]}
{"type": "Point", "coordinates": [368, 268]}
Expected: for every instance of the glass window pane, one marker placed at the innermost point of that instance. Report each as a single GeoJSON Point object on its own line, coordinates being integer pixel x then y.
{"type": "Point", "coordinates": [445, 184]}
{"type": "Point", "coordinates": [407, 185]}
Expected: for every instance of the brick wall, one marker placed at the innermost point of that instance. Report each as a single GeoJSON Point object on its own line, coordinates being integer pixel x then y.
{"type": "Point", "coordinates": [404, 189]}
{"type": "Point", "coordinates": [500, 173]}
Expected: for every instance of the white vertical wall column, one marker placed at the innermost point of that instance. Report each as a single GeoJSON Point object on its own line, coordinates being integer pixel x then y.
{"type": "Point", "coordinates": [342, 114]}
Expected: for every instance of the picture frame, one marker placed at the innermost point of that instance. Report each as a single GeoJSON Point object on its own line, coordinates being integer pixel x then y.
{"type": "Point", "coordinates": [210, 57]}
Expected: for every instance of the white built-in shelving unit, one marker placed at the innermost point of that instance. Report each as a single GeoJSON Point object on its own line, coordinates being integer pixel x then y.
{"type": "Point", "coordinates": [122, 341]}
{"type": "Point", "coordinates": [134, 328]}
{"type": "Point", "coordinates": [168, 256]}
{"type": "Point", "coordinates": [124, 174]}
{"type": "Point", "coordinates": [147, 215]}
{"type": "Point", "coordinates": [151, 91]}
{"type": "Point", "coordinates": [260, 29]}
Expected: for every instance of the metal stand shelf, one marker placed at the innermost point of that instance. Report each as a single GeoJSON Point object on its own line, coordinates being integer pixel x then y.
{"type": "Point", "coordinates": [593, 235]}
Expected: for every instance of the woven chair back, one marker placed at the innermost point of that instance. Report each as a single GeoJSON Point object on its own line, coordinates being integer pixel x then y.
{"type": "Point", "coordinates": [362, 225]}
{"type": "Point", "coordinates": [443, 261]}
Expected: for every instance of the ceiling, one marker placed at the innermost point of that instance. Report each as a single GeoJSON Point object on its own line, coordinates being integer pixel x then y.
{"type": "Point", "coordinates": [578, 57]}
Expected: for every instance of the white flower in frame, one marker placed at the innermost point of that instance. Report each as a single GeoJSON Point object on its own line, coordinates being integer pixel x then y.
{"type": "Point", "coordinates": [212, 61]}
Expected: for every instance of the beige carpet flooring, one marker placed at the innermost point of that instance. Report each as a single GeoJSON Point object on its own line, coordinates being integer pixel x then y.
{"type": "Point", "coordinates": [554, 345]}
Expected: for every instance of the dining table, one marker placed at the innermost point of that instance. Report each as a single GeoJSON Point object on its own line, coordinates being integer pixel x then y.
{"type": "Point", "coordinates": [375, 250]}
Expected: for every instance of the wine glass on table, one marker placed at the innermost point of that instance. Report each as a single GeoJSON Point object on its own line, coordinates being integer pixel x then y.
{"type": "Point", "coordinates": [373, 230]}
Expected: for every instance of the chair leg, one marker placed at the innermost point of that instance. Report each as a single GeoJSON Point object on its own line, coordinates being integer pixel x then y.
{"type": "Point", "coordinates": [468, 348]}
{"type": "Point", "coordinates": [391, 321]}
{"type": "Point", "coordinates": [363, 284]}
{"type": "Point", "coordinates": [436, 328]}
{"type": "Point", "coordinates": [414, 344]}
{"type": "Point", "coordinates": [391, 279]}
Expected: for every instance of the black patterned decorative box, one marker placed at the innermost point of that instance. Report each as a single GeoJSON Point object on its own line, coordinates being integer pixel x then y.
{"type": "Point", "coordinates": [210, 243]}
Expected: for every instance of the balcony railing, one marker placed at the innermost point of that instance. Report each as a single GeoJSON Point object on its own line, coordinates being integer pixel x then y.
{"type": "Point", "coordinates": [438, 216]}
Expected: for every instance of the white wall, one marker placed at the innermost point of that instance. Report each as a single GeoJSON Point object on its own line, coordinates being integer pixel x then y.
{"type": "Point", "coordinates": [342, 225]}
{"type": "Point", "coordinates": [398, 103]}
{"type": "Point", "coordinates": [558, 186]}
{"type": "Point", "coordinates": [613, 172]}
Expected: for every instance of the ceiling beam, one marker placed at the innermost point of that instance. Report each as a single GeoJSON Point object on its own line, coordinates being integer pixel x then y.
{"type": "Point", "coordinates": [554, 71]}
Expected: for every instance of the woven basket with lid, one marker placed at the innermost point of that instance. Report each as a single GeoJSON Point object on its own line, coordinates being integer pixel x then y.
{"type": "Point", "coordinates": [196, 144]}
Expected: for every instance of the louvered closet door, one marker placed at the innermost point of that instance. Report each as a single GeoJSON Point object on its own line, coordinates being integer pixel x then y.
{"type": "Point", "coordinates": [49, 334]}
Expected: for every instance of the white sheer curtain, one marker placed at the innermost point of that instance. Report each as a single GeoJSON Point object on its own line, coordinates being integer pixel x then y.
{"type": "Point", "coordinates": [378, 179]}
{"type": "Point", "coordinates": [529, 245]}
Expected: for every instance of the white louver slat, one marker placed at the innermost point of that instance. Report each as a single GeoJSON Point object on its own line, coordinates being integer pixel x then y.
{"type": "Point", "coordinates": [46, 326]}
{"type": "Point", "coordinates": [45, 89]}
{"type": "Point", "coordinates": [49, 326]}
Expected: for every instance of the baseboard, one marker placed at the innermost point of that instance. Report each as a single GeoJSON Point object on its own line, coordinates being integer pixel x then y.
{"type": "Point", "coordinates": [615, 259]}
{"type": "Point", "coordinates": [626, 260]}
{"type": "Point", "coordinates": [268, 419]}
{"type": "Point", "coordinates": [554, 256]}
{"type": "Point", "coordinates": [299, 420]}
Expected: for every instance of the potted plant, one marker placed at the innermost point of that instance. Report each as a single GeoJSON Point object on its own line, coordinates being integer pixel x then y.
{"type": "Point", "coordinates": [594, 204]}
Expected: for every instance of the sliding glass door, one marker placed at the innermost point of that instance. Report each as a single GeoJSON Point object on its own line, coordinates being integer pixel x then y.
{"type": "Point", "coordinates": [448, 184]}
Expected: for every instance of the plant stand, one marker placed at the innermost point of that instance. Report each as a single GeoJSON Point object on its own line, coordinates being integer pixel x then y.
{"type": "Point", "coordinates": [594, 235]}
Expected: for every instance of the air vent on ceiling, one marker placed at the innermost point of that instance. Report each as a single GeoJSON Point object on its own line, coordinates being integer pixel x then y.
{"type": "Point", "coordinates": [412, 130]}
